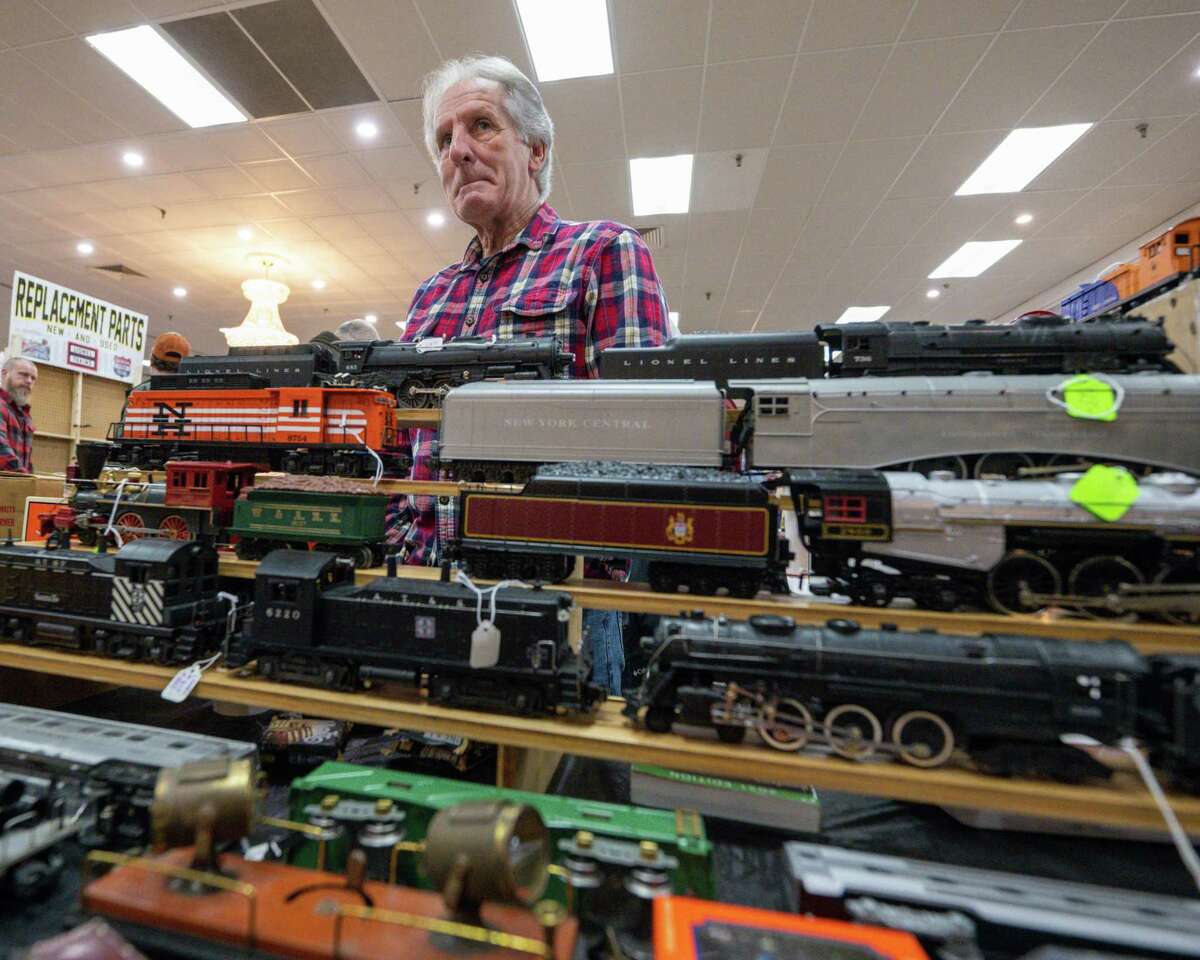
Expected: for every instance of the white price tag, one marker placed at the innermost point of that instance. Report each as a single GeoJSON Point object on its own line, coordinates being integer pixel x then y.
{"type": "Point", "coordinates": [485, 645]}
{"type": "Point", "coordinates": [182, 684]}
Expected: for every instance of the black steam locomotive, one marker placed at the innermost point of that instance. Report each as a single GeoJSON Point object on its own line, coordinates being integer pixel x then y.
{"type": "Point", "coordinates": [313, 625]}
{"type": "Point", "coordinates": [921, 696]}
{"type": "Point", "coordinates": [1036, 343]}
{"type": "Point", "coordinates": [418, 374]}
{"type": "Point", "coordinates": [155, 599]}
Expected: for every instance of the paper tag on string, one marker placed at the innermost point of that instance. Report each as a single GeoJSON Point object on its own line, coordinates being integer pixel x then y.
{"type": "Point", "coordinates": [485, 645]}
{"type": "Point", "coordinates": [1107, 492]}
{"type": "Point", "coordinates": [182, 684]}
{"type": "Point", "coordinates": [1089, 398]}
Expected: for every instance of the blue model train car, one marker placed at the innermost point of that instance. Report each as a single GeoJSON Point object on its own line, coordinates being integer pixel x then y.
{"type": "Point", "coordinates": [1090, 299]}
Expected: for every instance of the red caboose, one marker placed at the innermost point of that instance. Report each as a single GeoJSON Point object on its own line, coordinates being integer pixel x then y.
{"type": "Point", "coordinates": [209, 484]}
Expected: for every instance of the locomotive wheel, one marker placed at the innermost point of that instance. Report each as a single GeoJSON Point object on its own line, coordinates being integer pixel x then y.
{"type": "Point", "coordinates": [785, 724]}
{"type": "Point", "coordinates": [1172, 575]}
{"type": "Point", "coordinates": [1002, 464]}
{"type": "Point", "coordinates": [412, 396]}
{"type": "Point", "coordinates": [956, 465]}
{"type": "Point", "coordinates": [129, 526]}
{"type": "Point", "coordinates": [87, 536]}
{"type": "Point", "coordinates": [174, 527]}
{"type": "Point", "coordinates": [363, 557]}
{"type": "Point", "coordinates": [854, 731]}
{"type": "Point", "coordinates": [923, 739]}
{"type": "Point", "coordinates": [871, 592]}
{"type": "Point", "coordinates": [1099, 577]}
{"type": "Point", "coordinates": [1020, 569]}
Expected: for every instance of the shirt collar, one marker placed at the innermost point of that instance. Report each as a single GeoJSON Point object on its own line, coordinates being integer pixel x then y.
{"type": "Point", "coordinates": [8, 398]}
{"type": "Point", "coordinates": [540, 228]}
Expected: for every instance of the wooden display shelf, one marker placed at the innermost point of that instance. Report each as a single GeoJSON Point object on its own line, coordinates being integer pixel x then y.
{"type": "Point", "coordinates": [410, 417]}
{"type": "Point", "coordinates": [608, 735]}
{"type": "Point", "coordinates": [636, 598]}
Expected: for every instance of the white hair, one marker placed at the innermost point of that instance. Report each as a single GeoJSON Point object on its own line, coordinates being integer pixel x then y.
{"type": "Point", "coordinates": [522, 102]}
{"type": "Point", "coordinates": [10, 362]}
{"type": "Point", "coordinates": [356, 329]}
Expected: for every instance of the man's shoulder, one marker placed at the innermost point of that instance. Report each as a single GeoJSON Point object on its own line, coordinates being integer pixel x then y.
{"type": "Point", "coordinates": [593, 231]}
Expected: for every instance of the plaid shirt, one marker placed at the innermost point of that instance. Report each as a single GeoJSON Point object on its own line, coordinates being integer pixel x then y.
{"type": "Point", "coordinates": [16, 436]}
{"type": "Point", "coordinates": [592, 285]}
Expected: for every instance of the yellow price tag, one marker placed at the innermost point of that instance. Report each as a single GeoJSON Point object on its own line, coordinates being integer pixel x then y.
{"type": "Point", "coordinates": [1090, 398]}
{"type": "Point", "coordinates": [1107, 492]}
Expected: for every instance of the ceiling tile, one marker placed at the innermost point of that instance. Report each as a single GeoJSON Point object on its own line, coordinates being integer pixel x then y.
{"type": "Point", "coordinates": [866, 171]}
{"type": "Point", "coordinates": [464, 27]}
{"type": "Point", "coordinates": [656, 34]}
{"type": "Point", "coordinates": [300, 136]}
{"type": "Point", "coordinates": [770, 237]}
{"type": "Point", "coordinates": [587, 119]}
{"type": "Point", "coordinates": [51, 103]}
{"type": "Point", "coordinates": [661, 111]}
{"type": "Point", "coordinates": [944, 162]}
{"type": "Point", "coordinates": [226, 181]}
{"type": "Point", "coordinates": [35, 135]}
{"type": "Point", "coordinates": [1012, 75]}
{"type": "Point", "coordinates": [601, 191]}
{"type": "Point", "coordinates": [95, 16]}
{"type": "Point", "coordinates": [1104, 206]}
{"type": "Point", "coordinates": [838, 24]}
{"type": "Point", "coordinates": [243, 144]}
{"type": "Point", "coordinates": [701, 304]}
{"type": "Point", "coordinates": [278, 175]}
{"type": "Point", "coordinates": [713, 241]}
{"type": "Point", "coordinates": [745, 29]}
{"type": "Point", "coordinates": [827, 93]}
{"type": "Point", "coordinates": [388, 40]}
{"type": "Point", "coordinates": [171, 8]}
{"type": "Point", "coordinates": [391, 132]}
{"type": "Point", "coordinates": [1171, 158]}
{"type": "Point", "coordinates": [954, 18]}
{"type": "Point", "coordinates": [336, 170]}
{"type": "Point", "coordinates": [960, 218]}
{"type": "Point", "coordinates": [426, 195]}
{"type": "Point", "coordinates": [1170, 92]}
{"type": "Point", "coordinates": [310, 203]}
{"type": "Point", "coordinates": [363, 199]}
{"type": "Point", "coordinates": [1154, 8]}
{"type": "Point", "coordinates": [336, 229]}
{"type": "Point", "coordinates": [741, 102]}
{"type": "Point", "coordinates": [917, 83]}
{"type": "Point", "coordinates": [1052, 13]}
{"type": "Point", "coordinates": [1043, 205]}
{"type": "Point", "coordinates": [795, 176]}
{"type": "Point", "coordinates": [26, 21]}
{"type": "Point", "coordinates": [726, 181]}
{"type": "Point", "coordinates": [1105, 73]}
{"type": "Point", "coordinates": [1098, 154]}
{"type": "Point", "coordinates": [895, 221]}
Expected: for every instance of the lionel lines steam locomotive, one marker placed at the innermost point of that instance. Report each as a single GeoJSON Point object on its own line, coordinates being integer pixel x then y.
{"type": "Point", "coordinates": [1012, 544]}
{"type": "Point", "coordinates": [417, 374]}
{"type": "Point", "coordinates": [328, 430]}
{"type": "Point", "coordinates": [1006, 700]}
{"type": "Point", "coordinates": [313, 625]}
{"type": "Point", "coordinates": [156, 599]}
{"type": "Point", "coordinates": [1037, 343]}
{"type": "Point", "coordinates": [702, 530]}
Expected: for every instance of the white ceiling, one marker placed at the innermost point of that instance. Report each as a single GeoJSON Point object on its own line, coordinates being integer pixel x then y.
{"type": "Point", "coordinates": [854, 122]}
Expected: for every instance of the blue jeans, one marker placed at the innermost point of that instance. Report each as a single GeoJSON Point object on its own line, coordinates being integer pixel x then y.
{"type": "Point", "coordinates": [602, 640]}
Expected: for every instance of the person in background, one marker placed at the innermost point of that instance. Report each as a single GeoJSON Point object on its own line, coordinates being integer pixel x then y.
{"type": "Point", "coordinates": [527, 272]}
{"type": "Point", "coordinates": [18, 377]}
{"type": "Point", "coordinates": [356, 329]}
{"type": "Point", "coordinates": [168, 350]}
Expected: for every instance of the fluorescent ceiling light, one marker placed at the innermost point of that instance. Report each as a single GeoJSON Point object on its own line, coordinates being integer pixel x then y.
{"type": "Point", "coordinates": [567, 39]}
{"type": "Point", "coordinates": [84, 247]}
{"type": "Point", "coordinates": [862, 314]}
{"type": "Point", "coordinates": [133, 159]}
{"type": "Point", "coordinates": [661, 184]}
{"type": "Point", "coordinates": [973, 257]}
{"type": "Point", "coordinates": [148, 59]}
{"type": "Point", "coordinates": [1021, 156]}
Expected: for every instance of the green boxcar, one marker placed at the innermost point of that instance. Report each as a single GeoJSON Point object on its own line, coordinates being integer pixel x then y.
{"type": "Point", "coordinates": [350, 524]}
{"type": "Point", "coordinates": [679, 834]}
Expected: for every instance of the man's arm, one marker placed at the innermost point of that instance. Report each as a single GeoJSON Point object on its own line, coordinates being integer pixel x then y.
{"type": "Point", "coordinates": [8, 457]}
{"type": "Point", "coordinates": [630, 307]}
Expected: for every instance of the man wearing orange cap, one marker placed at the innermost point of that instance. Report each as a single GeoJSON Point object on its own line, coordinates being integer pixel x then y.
{"type": "Point", "coordinates": [167, 351]}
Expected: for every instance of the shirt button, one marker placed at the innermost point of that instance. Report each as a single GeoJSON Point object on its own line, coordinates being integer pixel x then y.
{"type": "Point", "coordinates": [470, 321]}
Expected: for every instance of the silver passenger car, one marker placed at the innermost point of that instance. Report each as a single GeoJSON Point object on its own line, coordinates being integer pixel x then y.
{"type": "Point", "coordinates": [500, 430]}
{"type": "Point", "coordinates": [972, 425]}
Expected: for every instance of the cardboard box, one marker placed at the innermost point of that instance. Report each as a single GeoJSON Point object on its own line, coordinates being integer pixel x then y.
{"type": "Point", "coordinates": [14, 488]}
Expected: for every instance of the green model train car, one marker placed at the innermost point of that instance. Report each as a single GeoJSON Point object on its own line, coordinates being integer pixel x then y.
{"type": "Point", "coordinates": [348, 524]}
{"type": "Point", "coordinates": [415, 798]}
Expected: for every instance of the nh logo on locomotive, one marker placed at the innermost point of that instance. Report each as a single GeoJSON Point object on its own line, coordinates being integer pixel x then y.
{"type": "Point", "coordinates": [165, 412]}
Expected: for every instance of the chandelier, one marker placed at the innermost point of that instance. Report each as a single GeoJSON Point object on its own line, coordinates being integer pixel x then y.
{"type": "Point", "coordinates": [262, 326]}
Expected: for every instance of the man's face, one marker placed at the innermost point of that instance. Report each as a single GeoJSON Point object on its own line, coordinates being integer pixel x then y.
{"type": "Point", "coordinates": [19, 381]}
{"type": "Point", "coordinates": [486, 168]}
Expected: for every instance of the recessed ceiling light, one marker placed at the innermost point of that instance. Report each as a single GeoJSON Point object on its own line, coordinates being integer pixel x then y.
{"type": "Point", "coordinates": [371, 318]}
{"type": "Point", "coordinates": [933, 293]}
{"type": "Point", "coordinates": [84, 247]}
{"type": "Point", "coordinates": [567, 39]}
{"type": "Point", "coordinates": [245, 233]}
{"type": "Point", "coordinates": [973, 257]}
{"type": "Point", "coordinates": [366, 129]}
{"type": "Point", "coordinates": [1020, 157]}
{"type": "Point", "coordinates": [149, 60]}
{"type": "Point", "coordinates": [180, 292]}
{"type": "Point", "coordinates": [661, 184]}
{"type": "Point", "coordinates": [318, 284]}
{"type": "Point", "coordinates": [862, 314]}
{"type": "Point", "coordinates": [133, 159]}
{"type": "Point", "coordinates": [435, 218]}
{"type": "Point", "coordinates": [1023, 218]}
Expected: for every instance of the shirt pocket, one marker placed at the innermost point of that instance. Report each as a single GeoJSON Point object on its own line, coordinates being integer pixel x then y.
{"type": "Point", "coordinates": [543, 312]}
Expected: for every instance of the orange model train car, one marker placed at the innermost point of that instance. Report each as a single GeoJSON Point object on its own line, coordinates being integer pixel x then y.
{"type": "Point", "coordinates": [345, 431]}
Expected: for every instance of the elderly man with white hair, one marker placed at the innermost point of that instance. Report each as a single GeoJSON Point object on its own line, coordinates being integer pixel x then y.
{"type": "Point", "coordinates": [526, 273]}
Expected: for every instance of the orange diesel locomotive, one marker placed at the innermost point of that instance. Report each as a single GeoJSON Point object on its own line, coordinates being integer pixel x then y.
{"type": "Point", "coordinates": [346, 431]}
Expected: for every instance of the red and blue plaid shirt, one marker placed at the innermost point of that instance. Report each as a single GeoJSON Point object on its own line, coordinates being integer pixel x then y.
{"type": "Point", "coordinates": [16, 435]}
{"type": "Point", "coordinates": [592, 285]}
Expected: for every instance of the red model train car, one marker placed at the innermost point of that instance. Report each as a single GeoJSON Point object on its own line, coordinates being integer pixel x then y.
{"type": "Point", "coordinates": [346, 431]}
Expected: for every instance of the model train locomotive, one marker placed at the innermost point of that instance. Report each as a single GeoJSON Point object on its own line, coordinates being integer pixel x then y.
{"type": "Point", "coordinates": [1007, 701]}
{"type": "Point", "coordinates": [312, 624]}
{"type": "Point", "coordinates": [1015, 545]}
{"type": "Point", "coordinates": [156, 599]}
{"type": "Point", "coordinates": [417, 374]}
